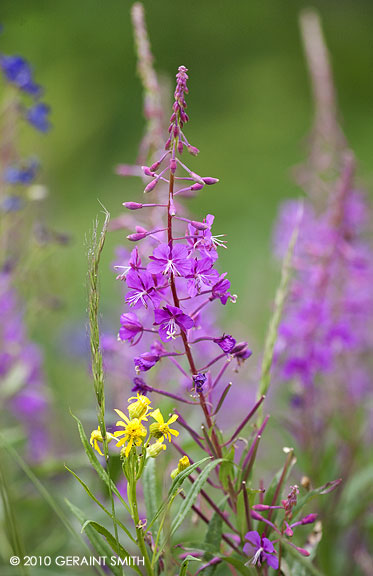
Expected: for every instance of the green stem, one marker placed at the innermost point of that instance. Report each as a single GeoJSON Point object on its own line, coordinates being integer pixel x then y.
{"type": "Point", "coordinates": [140, 531]}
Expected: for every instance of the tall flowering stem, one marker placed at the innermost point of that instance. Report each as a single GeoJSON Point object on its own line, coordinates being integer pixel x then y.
{"type": "Point", "coordinates": [171, 283]}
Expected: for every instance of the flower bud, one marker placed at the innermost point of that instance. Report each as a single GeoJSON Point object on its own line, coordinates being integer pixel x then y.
{"type": "Point", "coordinates": [199, 225]}
{"type": "Point", "coordinates": [309, 519]}
{"type": "Point", "coordinates": [183, 464]}
{"type": "Point", "coordinates": [132, 205]}
{"type": "Point", "coordinates": [136, 237]}
{"type": "Point", "coordinates": [139, 408]}
{"type": "Point", "coordinates": [147, 171]}
{"type": "Point", "coordinates": [180, 147]}
{"type": "Point", "coordinates": [173, 165]}
{"type": "Point", "coordinates": [197, 186]}
{"type": "Point", "coordinates": [155, 166]}
{"type": "Point", "coordinates": [155, 449]}
{"type": "Point", "coordinates": [209, 181]}
{"type": "Point", "coordinates": [151, 185]}
{"type": "Point", "coordinates": [154, 430]}
{"type": "Point", "coordinates": [193, 150]}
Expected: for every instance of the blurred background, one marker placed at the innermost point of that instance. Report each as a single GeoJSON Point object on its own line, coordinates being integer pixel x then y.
{"type": "Point", "coordinates": [250, 109]}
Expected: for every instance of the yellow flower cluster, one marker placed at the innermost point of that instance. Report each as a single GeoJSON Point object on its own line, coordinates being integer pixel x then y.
{"type": "Point", "coordinates": [134, 432]}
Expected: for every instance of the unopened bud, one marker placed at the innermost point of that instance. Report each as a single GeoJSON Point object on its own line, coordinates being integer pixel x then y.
{"type": "Point", "coordinates": [132, 205]}
{"type": "Point", "coordinates": [209, 181]}
{"type": "Point", "coordinates": [151, 185]}
{"type": "Point", "coordinates": [155, 449]}
{"type": "Point", "coordinates": [173, 165]}
{"type": "Point", "coordinates": [154, 430]}
{"type": "Point", "coordinates": [197, 186]}
{"type": "Point", "coordinates": [180, 147]}
{"type": "Point", "coordinates": [193, 150]}
{"type": "Point", "coordinates": [155, 166]}
{"type": "Point", "coordinates": [137, 236]}
{"type": "Point", "coordinates": [147, 171]}
{"type": "Point", "coordinates": [199, 225]}
{"type": "Point", "coordinates": [309, 519]}
{"type": "Point", "coordinates": [183, 464]}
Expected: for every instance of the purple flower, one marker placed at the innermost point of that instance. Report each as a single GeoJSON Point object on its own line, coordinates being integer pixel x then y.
{"type": "Point", "coordinates": [37, 116]}
{"type": "Point", "coordinates": [226, 343]}
{"type": "Point", "coordinates": [241, 352]}
{"type": "Point", "coordinates": [131, 327]}
{"type": "Point", "coordinates": [140, 386]}
{"type": "Point", "coordinates": [143, 292]}
{"type": "Point", "coordinates": [145, 361]}
{"type": "Point", "coordinates": [168, 319]}
{"type": "Point", "coordinates": [167, 260]}
{"type": "Point", "coordinates": [206, 243]}
{"type": "Point", "coordinates": [11, 204]}
{"type": "Point", "coordinates": [134, 264]}
{"type": "Point", "coordinates": [220, 290]}
{"type": "Point", "coordinates": [199, 381]}
{"type": "Point", "coordinates": [23, 174]}
{"type": "Point", "coordinates": [202, 276]}
{"type": "Point", "coordinates": [18, 71]}
{"type": "Point", "coordinates": [260, 549]}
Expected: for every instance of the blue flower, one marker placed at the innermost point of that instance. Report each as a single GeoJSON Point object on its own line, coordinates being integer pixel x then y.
{"type": "Point", "coordinates": [37, 116]}
{"type": "Point", "coordinates": [21, 174]}
{"type": "Point", "coordinates": [18, 71]}
{"type": "Point", "coordinates": [11, 204]}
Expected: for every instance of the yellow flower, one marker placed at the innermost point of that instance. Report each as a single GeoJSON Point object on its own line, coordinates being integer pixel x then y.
{"type": "Point", "coordinates": [139, 408]}
{"type": "Point", "coordinates": [162, 428]}
{"type": "Point", "coordinates": [183, 464]}
{"type": "Point", "coordinates": [133, 432]}
{"type": "Point", "coordinates": [96, 437]}
{"type": "Point", "coordinates": [155, 449]}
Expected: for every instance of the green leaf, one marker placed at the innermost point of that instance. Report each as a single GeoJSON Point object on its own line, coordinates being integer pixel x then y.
{"type": "Point", "coordinates": [240, 565]}
{"type": "Point", "coordinates": [325, 489]}
{"type": "Point", "coordinates": [226, 469]}
{"type": "Point", "coordinates": [150, 490]}
{"type": "Point", "coordinates": [192, 495]}
{"type": "Point", "coordinates": [96, 464]}
{"type": "Point", "coordinates": [213, 541]}
{"type": "Point", "coordinates": [118, 548]}
{"type": "Point", "coordinates": [175, 486]}
{"type": "Point", "coordinates": [101, 547]}
{"type": "Point", "coordinates": [184, 566]}
{"type": "Point", "coordinates": [91, 495]}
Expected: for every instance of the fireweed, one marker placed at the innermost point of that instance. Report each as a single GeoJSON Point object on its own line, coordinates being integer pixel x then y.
{"type": "Point", "coordinates": [21, 365]}
{"type": "Point", "coordinates": [169, 290]}
{"type": "Point", "coordinates": [325, 339]}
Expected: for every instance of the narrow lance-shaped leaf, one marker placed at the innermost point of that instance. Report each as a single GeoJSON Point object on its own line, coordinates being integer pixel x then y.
{"type": "Point", "coordinates": [176, 484]}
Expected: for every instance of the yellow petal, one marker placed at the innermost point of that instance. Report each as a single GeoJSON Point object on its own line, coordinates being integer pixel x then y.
{"type": "Point", "coordinates": [97, 447]}
{"type": "Point", "coordinates": [173, 419]}
{"type": "Point", "coordinates": [121, 415]}
{"type": "Point", "coordinates": [157, 416]}
{"type": "Point", "coordinates": [121, 423]}
{"type": "Point", "coordinates": [174, 432]}
{"type": "Point", "coordinates": [129, 446]}
{"type": "Point", "coordinates": [119, 433]}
